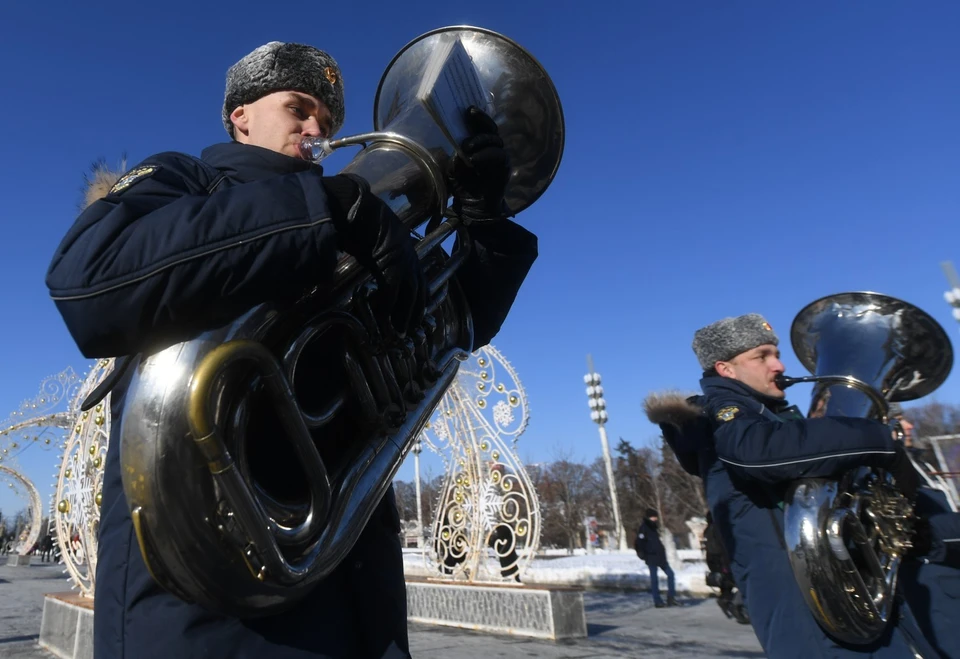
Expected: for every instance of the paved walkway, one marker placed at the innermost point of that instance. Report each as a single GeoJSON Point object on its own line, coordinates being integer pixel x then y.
{"type": "Point", "coordinates": [619, 625]}
{"type": "Point", "coordinates": [21, 606]}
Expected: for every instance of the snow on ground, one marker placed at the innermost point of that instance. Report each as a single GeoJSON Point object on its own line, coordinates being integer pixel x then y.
{"type": "Point", "coordinates": [602, 569]}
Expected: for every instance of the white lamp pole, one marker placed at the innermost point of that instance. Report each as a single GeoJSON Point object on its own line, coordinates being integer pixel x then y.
{"type": "Point", "coordinates": [598, 414]}
{"type": "Point", "coordinates": [417, 447]}
{"type": "Point", "coordinates": [953, 295]}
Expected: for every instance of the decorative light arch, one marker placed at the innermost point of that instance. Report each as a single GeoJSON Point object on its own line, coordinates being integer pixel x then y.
{"type": "Point", "coordinates": [27, 540]}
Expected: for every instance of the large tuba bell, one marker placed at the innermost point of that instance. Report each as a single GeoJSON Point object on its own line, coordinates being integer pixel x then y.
{"type": "Point", "coordinates": [846, 538]}
{"type": "Point", "coordinates": [254, 455]}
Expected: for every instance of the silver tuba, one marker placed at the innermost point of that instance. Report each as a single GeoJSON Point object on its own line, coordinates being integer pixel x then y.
{"type": "Point", "coordinates": [254, 455]}
{"type": "Point", "coordinates": [846, 538]}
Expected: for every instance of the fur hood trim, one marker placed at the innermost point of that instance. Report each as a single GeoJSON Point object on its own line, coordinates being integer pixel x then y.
{"type": "Point", "coordinates": [98, 183]}
{"type": "Point", "coordinates": [671, 407]}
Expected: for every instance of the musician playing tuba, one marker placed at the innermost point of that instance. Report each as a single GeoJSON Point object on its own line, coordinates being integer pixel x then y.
{"type": "Point", "coordinates": [748, 443]}
{"type": "Point", "coordinates": [179, 245]}
{"type": "Point", "coordinates": [931, 582]}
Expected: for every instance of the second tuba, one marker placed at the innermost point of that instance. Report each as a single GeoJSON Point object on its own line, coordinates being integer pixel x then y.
{"type": "Point", "coordinates": [846, 538]}
{"type": "Point", "coordinates": [254, 455]}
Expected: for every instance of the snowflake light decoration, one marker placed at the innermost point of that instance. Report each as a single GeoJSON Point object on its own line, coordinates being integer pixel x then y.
{"type": "Point", "coordinates": [487, 520]}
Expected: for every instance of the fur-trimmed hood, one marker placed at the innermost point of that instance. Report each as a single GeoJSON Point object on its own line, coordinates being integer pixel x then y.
{"type": "Point", "coordinates": [671, 407]}
{"type": "Point", "coordinates": [683, 423]}
{"type": "Point", "coordinates": [98, 183]}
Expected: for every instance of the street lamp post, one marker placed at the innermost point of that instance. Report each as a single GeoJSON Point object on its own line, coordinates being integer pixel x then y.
{"type": "Point", "coordinates": [417, 447]}
{"type": "Point", "coordinates": [953, 295]}
{"type": "Point", "coordinates": [598, 414]}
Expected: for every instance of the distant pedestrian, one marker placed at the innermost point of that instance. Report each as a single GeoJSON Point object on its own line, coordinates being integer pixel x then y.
{"type": "Point", "coordinates": [650, 550]}
{"type": "Point", "coordinates": [46, 549]}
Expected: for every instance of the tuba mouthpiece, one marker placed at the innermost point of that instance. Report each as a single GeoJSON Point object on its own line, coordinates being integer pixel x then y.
{"type": "Point", "coordinates": [315, 149]}
{"type": "Point", "coordinates": [782, 381]}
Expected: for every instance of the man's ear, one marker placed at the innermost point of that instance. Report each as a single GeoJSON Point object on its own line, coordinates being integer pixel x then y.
{"type": "Point", "coordinates": [724, 369]}
{"type": "Point", "coordinates": [241, 122]}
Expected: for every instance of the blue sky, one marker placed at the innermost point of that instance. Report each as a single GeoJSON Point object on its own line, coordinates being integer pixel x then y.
{"type": "Point", "coordinates": [721, 158]}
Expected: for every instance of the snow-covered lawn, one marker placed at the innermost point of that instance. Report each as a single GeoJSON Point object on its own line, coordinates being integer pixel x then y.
{"type": "Point", "coordinates": [603, 569]}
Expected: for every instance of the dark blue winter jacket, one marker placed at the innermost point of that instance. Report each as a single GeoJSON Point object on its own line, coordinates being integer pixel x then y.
{"type": "Point", "coordinates": [183, 245]}
{"type": "Point", "coordinates": [648, 544]}
{"type": "Point", "coordinates": [931, 583]}
{"type": "Point", "coordinates": [747, 448]}
{"type": "Point", "coordinates": [194, 243]}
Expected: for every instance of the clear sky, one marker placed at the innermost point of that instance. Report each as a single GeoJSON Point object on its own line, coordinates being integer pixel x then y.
{"type": "Point", "coordinates": [721, 158]}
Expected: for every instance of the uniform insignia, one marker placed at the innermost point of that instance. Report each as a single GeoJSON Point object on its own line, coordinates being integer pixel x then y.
{"type": "Point", "coordinates": [727, 414]}
{"type": "Point", "coordinates": [132, 177]}
{"type": "Point", "coordinates": [766, 326]}
{"type": "Point", "coordinates": [330, 74]}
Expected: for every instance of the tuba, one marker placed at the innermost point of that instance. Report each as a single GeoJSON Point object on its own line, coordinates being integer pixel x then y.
{"type": "Point", "coordinates": [847, 537]}
{"type": "Point", "coordinates": [254, 455]}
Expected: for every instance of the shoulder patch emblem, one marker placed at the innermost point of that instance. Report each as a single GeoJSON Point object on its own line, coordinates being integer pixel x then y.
{"type": "Point", "coordinates": [132, 177]}
{"type": "Point", "coordinates": [727, 414]}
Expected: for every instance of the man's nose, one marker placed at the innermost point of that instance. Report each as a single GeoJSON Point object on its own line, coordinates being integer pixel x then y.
{"type": "Point", "coordinates": [778, 366]}
{"type": "Point", "coordinates": [311, 128]}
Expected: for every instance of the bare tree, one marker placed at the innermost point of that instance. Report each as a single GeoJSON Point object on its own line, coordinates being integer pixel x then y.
{"type": "Point", "coordinates": [684, 497]}
{"type": "Point", "coordinates": [935, 418]}
{"type": "Point", "coordinates": [406, 499]}
{"type": "Point", "coordinates": [568, 494]}
{"type": "Point", "coordinates": [637, 485]}
{"type": "Point", "coordinates": [652, 478]}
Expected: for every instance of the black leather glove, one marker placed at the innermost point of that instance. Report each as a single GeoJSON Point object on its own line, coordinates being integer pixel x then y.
{"type": "Point", "coordinates": [480, 183]}
{"type": "Point", "coordinates": [376, 237]}
{"type": "Point", "coordinates": [904, 474]}
{"type": "Point", "coordinates": [922, 539]}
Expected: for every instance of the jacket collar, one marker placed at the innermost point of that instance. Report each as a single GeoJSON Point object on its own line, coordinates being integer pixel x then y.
{"type": "Point", "coordinates": [244, 163]}
{"type": "Point", "coordinates": [718, 384]}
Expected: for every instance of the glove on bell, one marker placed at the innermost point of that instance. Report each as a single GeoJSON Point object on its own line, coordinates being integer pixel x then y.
{"type": "Point", "coordinates": [480, 183]}
{"type": "Point", "coordinates": [376, 237]}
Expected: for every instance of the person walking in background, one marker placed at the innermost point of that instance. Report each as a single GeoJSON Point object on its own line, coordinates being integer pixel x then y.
{"type": "Point", "coordinates": [651, 551]}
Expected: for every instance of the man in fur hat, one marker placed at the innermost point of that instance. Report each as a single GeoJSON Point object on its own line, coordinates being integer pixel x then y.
{"type": "Point", "coordinates": [180, 245]}
{"type": "Point", "coordinates": [930, 581]}
{"type": "Point", "coordinates": [748, 444]}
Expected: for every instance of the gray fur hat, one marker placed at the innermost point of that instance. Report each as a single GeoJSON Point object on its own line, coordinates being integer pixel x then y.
{"type": "Point", "coordinates": [727, 338]}
{"type": "Point", "coordinates": [278, 66]}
